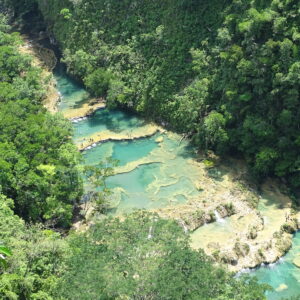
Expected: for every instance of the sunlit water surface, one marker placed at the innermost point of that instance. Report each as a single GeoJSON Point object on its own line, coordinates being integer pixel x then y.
{"type": "Point", "coordinates": [162, 174]}
{"type": "Point", "coordinates": [283, 276]}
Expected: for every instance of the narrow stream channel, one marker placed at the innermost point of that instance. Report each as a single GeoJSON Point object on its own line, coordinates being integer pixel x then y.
{"type": "Point", "coordinates": [154, 170]}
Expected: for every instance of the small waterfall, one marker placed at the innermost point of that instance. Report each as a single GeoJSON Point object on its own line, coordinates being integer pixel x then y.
{"type": "Point", "coordinates": [218, 217]}
{"type": "Point", "coordinates": [272, 265]}
{"type": "Point", "coordinates": [150, 233]}
{"type": "Point", "coordinates": [185, 229]}
{"type": "Point", "coordinates": [265, 219]}
{"type": "Point", "coordinates": [276, 263]}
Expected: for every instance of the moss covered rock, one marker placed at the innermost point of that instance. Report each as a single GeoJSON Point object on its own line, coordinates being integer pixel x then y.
{"type": "Point", "coordinates": [290, 227]}
{"type": "Point", "coordinates": [229, 257]}
{"type": "Point", "coordinates": [241, 249]}
{"type": "Point", "coordinates": [252, 234]}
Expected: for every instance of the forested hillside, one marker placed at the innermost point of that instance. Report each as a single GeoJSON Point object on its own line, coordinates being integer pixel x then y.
{"type": "Point", "coordinates": [225, 73]}
{"type": "Point", "coordinates": [38, 161]}
{"type": "Point", "coordinates": [39, 179]}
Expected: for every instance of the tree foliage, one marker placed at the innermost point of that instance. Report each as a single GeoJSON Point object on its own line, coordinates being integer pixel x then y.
{"type": "Point", "coordinates": [34, 260]}
{"type": "Point", "coordinates": [97, 192]}
{"type": "Point", "coordinates": [4, 253]}
{"type": "Point", "coordinates": [224, 72]}
{"type": "Point", "coordinates": [38, 162]}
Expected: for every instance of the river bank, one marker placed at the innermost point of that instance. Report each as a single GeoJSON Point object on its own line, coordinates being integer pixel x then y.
{"type": "Point", "coordinates": [45, 59]}
{"type": "Point", "coordinates": [30, 47]}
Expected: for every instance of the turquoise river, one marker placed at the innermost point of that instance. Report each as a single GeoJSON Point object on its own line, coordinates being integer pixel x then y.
{"type": "Point", "coordinates": [153, 173]}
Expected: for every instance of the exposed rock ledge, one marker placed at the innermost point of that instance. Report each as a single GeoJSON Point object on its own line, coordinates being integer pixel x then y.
{"type": "Point", "coordinates": [107, 135]}
{"type": "Point", "coordinates": [296, 261]}
{"type": "Point", "coordinates": [245, 236]}
{"type": "Point", "coordinates": [250, 238]}
{"type": "Point", "coordinates": [86, 109]}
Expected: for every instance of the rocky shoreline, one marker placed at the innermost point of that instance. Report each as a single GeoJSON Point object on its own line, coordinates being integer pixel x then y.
{"type": "Point", "coordinates": [234, 224]}
{"type": "Point", "coordinates": [93, 140]}
{"type": "Point", "coordinates": [250, 236]}
{"type": "Point", "coordinates": [241, 235]}
{"type": "Point", "coordinates": [85, 110]}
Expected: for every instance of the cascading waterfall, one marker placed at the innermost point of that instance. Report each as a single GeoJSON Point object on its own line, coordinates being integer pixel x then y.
{"type": "Point", "coordinates": [219, 219]}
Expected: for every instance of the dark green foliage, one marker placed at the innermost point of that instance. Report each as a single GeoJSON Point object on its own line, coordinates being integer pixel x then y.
{"type": "Point", "coordinates": [210, 69]}
{"type": "Point", "coordinates": [144, 44]}
{"type": "Point", "coordinates": [98, 82]}
{"type": "Point", "coordinates": [253, 75]}
{"type": "Point", "coordinates": [145, 257]}
{"type": "Point", "coordinates": [32, 270]}
{"type": "Point", "coordinates": [38, 162]}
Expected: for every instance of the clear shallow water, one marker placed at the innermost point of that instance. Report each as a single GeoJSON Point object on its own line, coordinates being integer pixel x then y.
{"type": "Point", "coordinates": [283, 272]}
{"type": "Point", "coordinates": [72, 94]}
{"type": "Point", "coordinates": [114, 120]}
{"type": "Point", "coordinates": [126, 152]}
{"type": "Point", "coordinates": [152, 185]}
{"type": "Point", "coordinates": [154, 181]}
{"type": "Point", "coordinates": [135, 185]}
{"type": "Point", "coordinates": [123, 151]}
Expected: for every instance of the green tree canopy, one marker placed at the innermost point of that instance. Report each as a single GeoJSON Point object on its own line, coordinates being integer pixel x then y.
{"type": "Point", "coordinates": [145, 257]}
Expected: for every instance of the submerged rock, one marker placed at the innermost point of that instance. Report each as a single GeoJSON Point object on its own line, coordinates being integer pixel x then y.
{"type": "Point", "coordinates": [296, 261]}
{"type": "Point", "coordinates": [160, 139]}
{"type": "Point", "coordinates": [281, 287]}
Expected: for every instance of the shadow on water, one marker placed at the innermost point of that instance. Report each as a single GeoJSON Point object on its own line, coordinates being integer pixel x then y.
{"type": "Point", "coordinates": [273, 197]}
{"type": "Point", "coordinates": [81, 102]}
{"type": "Point", "coordinates": [187, 152]}
{"type": "Point", "coordinates": [114, 120]}
{"type": "Point", "coordinates": [217, 174]}
{"type": "Point", "coordinates": [60, 71]}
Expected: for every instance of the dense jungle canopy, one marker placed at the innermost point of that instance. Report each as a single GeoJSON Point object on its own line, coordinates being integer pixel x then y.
{"type": "Point", "coordinates": [224, 73]}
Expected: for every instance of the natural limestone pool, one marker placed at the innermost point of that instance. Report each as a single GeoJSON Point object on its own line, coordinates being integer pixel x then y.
{"type": "Point", "coordinates": [159, 172]}
{"type": "Point", "coordinates": [148, 172]}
